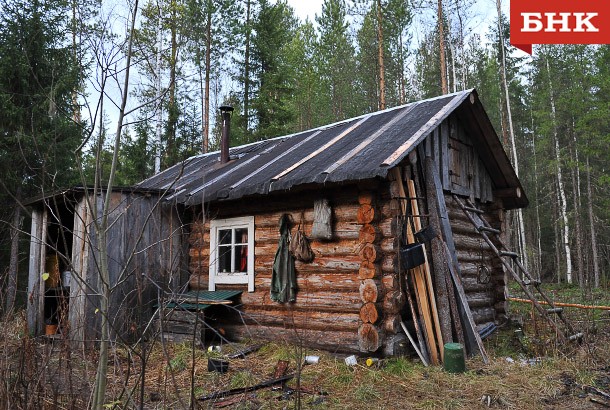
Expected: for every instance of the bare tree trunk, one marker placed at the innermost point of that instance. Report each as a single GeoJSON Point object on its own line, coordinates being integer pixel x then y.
{"type": "Point", "coordinates": [441, 36]}
{"type": "Point", "coordinates": [579, 239]}
{"type": "Point", "coordinates": [13, 268]}
{"type": "Point", "coordinates": [592, 227]}
{"type": "Point", "coordinates": [462, 52]}
{"type": "Point", "coordinates": [159, 106]}
{"type": "Point", "coordinates": [208, 54]}
{"type": "Point", "coordinates": [538, 256]}
{"type": "Point", "coordinates": [521, 225]}
{"type": "Point", "coordinates": [563, 207]}
{"type": "Point", "coordinates": [402, 85]}
{"type": "Point", "coordinates": [380, 60]}
{"type": "Point", "coordinates": [75, 106]}
{"type": "Point", "coordinates": [577, 211]}
{"type": "Point", "coordinates": [172, 107]}
{"type": "Point", "coordinates": [101, 227]}
{"type": "Point", "coordinates": [247, 71]}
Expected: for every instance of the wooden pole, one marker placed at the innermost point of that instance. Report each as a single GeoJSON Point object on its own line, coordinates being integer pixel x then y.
{"type": "Point", "coordinates": [438, 212]}
{"type": "Point", "coordinates": [441, 338]}
{"type": "Point", "coordinates": [561, 304]}
{"type": "Point", "coordinates": [419, 281]}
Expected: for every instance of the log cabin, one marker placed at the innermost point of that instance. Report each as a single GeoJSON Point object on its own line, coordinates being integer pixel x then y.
{"type": "Point", "coordinates": [211, 223]}
{"type": "Point", "coordinates": [373, 171]}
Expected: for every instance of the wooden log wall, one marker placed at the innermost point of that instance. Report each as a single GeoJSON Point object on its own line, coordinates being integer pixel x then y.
{"type": "Point", "coordinates": [369, 272]}
{"type": "Point", "coordinates": [486, 299]}
{"type": "Point", "coordinates": [340, 298]}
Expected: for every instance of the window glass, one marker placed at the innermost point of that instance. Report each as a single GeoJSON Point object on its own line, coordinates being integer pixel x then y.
{"type": "Point", "coordinates": [224, 259]}
{"type": "Point", "coordinates": [224, 236]}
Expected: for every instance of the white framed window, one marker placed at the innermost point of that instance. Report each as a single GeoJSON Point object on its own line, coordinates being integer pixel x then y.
{"type": "Point", "coordinates": [232, 252]}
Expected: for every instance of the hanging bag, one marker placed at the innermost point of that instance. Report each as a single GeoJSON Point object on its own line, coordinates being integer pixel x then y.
{"type": "Point", "coordinates": [322, 220]}
{"type": "Point", "coordinates": [300, 247]}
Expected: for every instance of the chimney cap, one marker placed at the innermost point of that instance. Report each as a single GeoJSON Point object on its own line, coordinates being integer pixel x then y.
{"type": "Point", "coordinates": [226, 108]}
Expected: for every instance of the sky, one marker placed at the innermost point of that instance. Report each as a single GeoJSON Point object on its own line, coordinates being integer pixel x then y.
{"type": "Point", "coordinates": [306, 8]}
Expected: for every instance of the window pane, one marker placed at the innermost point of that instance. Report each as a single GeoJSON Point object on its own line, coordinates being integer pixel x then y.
{"type": "Point", "coordinates": [241, 258]}
{"type": "Point", "coordinates": [224, 236]}
{"type": "Point", "coordinates": [241, 235]}
{"type": "Point", "coordinates": [224, 258]}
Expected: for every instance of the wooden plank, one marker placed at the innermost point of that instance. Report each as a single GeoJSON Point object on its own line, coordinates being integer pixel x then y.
{"type": "Point", "coordinates": [436, 140]}
{"type": "Point", "coordinates": [428, 143]}
{"type": "Point", "coordinates": [433, 181]}
{"type": "Point", "coordinates": [416, 138]}
{"type": "Point", "coordinates": [422, 338]}
{"type": "Point", "coordinates": [425, 268]}
{"type": "Point", "coordinates": [444, 159]}
{"type": "Point", "coordinates": [34, 274]}
{"type": "Point", "coordinates": [367, 141]}
{"type": "Point", "coordinates": [321, 149]}
{"type": "Point", "coordinates": [419, 281]}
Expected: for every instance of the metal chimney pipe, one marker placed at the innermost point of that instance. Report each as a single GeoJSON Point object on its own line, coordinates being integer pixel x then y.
{"type": "Point", "coordinates": [225, 111]}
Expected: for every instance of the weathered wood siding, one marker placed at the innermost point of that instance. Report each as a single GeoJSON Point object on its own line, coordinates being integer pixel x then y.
{"type": "Point", "coordinates": [462, 172]}
{"type": "Point", "coordinates": [145, 259]}
{"type": "Point", "coordinates": [460, 168]}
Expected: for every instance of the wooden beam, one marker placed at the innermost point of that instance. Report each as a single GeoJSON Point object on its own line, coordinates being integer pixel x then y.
{"type": "Point", "coordinates": [440, 337]}
{"type": "Point", "coordinates": [367, 141]}
{"type": "Point", "coordinates": [421, 292]}
{"type": "Point", "coordinates": [437, 195]}
{"type": "Point", "coordinates": [321, 149]}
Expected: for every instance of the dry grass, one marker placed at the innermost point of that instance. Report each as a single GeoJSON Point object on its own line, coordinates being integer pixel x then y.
{"type": "Point", "coordinates": [555, 380]}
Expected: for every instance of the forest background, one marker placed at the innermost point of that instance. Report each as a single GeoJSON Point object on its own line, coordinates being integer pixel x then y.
{"type": "Point", "coordinates": [64, 65]}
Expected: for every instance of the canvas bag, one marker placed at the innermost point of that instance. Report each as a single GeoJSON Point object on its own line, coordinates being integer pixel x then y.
{"type": "Point", "coordinates": [322, 220]}
{"type": "Point", "coordinates": [300, 247]}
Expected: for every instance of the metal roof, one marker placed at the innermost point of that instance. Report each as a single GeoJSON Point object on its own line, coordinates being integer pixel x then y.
{"type": "Point", "coordinates": [360, 148]}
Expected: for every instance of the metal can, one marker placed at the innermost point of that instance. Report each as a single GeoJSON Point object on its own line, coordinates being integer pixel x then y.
{"type": "Point", "coordinates": [351, 360]}
{"type": "Point", "coordinates": [312, 359]}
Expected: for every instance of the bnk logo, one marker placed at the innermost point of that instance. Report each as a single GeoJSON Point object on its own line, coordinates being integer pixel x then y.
{"type": "Point", "coordinates": [559, 22]}
{"type": "Point", "coordinates": [565, 22]}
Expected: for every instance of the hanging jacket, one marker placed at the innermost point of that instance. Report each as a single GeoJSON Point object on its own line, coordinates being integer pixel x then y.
{"type": "Point", "coordinates": [283, 278]}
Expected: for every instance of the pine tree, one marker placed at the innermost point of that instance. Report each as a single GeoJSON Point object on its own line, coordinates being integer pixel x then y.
{"type": "Point", "coordinates": [38, 77]}
{"type": "Point", "coordinates": [335, 49]}
{"type": "Point", "coordinates": [274, 26]}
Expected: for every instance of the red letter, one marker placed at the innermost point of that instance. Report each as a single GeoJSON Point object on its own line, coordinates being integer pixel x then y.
{"type": "Point", "coordinates": [530, 19]}
{"type": "Point", "coordinates": [580, 22]}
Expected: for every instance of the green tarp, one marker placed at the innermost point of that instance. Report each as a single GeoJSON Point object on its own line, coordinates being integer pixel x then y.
{"type": "Point", "coordinates": [283, 278]}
